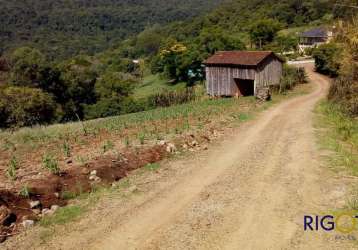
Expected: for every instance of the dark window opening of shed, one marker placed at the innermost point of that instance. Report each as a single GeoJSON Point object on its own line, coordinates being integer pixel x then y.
{"type": "Point", "coordinates": [245, 87]}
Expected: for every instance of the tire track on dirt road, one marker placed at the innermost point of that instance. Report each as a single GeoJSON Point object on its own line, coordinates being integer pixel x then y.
{"type": "Point", "coordinates": [250, 191]}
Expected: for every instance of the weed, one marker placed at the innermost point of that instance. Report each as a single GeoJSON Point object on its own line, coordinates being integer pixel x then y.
{"type": "Point", "coordinates": [127, 142]}
{"type": "Point", "coordinates": [25, 192]}
{"type": "Point", "coordinates": [66, 149]}
{"type": "Point", "coordinates": [8, 145]}
{"type": "Point", "coordinates": [108, 145]}
{"type": "Point", "coordinates": [141, 138]}
{"type": "Point", "coordinates": [63, 215]}
{"type": "Point", "coordinates": [50, 163]}
{"type": "Point", "coordinates": [82, 159]}
{"type": "Point", "coordinates": [12, 167]}
{"type": "Point", "coordinates": [340, 135]}
{"type": "Point", "coordinates": [353, 202]}
{"type": "Point", "coordinates": [68, 195]}
{"type": "Point", "coordinates": [244, 117]}
{"type": "Point", "coordinates": [152, 166]}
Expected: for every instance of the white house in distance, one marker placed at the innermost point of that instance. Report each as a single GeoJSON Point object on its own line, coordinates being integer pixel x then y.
{"type": "Point", "coordinates": [314, 37]}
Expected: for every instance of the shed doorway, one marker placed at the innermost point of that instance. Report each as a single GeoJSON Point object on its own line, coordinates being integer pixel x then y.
{"type": "Point", "coordinates": [245, 87]}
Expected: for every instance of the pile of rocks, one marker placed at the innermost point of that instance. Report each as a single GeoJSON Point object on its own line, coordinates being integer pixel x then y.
{"type": "Point", "coordinates": [170, 147]}
{"type": "Point", "coordinates": [93, 176]}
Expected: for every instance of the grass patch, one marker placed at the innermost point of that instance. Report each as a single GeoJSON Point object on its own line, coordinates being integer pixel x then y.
{"type": "Point", "coordinates": [153, 84]}
{"type": "Point", "coordinates": [63, 215]}
{"type": "Point", "coordinates": [338, 133]}
{"type": "Point", "coordinates": [152, 166]}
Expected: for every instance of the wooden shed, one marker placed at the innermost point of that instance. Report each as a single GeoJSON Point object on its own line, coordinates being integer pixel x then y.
{"type": "Point", "coordinates": [242, 73]}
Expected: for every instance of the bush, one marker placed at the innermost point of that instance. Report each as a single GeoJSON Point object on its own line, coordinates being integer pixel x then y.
{"type": "Point", "coordinates": [344, 91]}
{"type": "Point", "coordinates": [170, 98]}
{"type": "Point", "coordinates": [112, 91]}
{"type": "Point", "coordinates": [23, 106]}
{"type": "Point", "coordinates": [327, 59]}
{"type": "Point", "coordinates": [292, 76]}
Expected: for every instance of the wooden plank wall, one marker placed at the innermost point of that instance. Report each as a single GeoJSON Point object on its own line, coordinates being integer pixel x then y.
{"type": "Point", "coordinates": [269, 73]}
{"type": "Point", "coordinates": [220, 80]}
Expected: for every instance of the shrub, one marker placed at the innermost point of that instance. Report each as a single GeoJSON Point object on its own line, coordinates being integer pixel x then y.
{"type": "Point", "coordinates": [170, 98]}
{"type": "Point", "coordinates": [112, 91]}
{"type": "Point", "coordinates": [344, 91]}
{"type": "Point", "coordinates": [327, 59]}
{"type": "Point", "coordinates": [23, 106]}
{"type": "Point", "coordinates": [292, 76]}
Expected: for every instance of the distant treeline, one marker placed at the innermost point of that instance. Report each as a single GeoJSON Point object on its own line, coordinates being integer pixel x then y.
{"type": "Point", "coordinates": [65, 28]}
{"type": "Point", "coordinates": [34, 89]}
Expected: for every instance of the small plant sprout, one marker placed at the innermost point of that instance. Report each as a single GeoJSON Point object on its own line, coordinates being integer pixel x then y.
{"type": "Point", "coordinates": [66, 149]}
{"type": "Point", "coordinates": [108, 145]}
{"type": "Point", "coordinates": [50, 163]}
{"type": "Point", "coordinates": [12, 167]}
{"type": "Point", "coordinates": [152, 166]}
{"type": "Point", "coordinates": [25, 191]}
{"type": "Point", "coordinates": [127, 141]}
{"type": "Point", "coordinates": [141, 138]}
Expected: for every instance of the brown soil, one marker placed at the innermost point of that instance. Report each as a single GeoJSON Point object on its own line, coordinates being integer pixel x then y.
{"type": "Point", "coordinates": [51, 189]}
{"type": "Point", "coordinates": [247, 191]}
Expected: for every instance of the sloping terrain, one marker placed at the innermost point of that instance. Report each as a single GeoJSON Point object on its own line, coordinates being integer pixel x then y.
{"type": "Point", "coordinates": [92, 25]}
{"type": "Point", "coordinates": [249, 191]}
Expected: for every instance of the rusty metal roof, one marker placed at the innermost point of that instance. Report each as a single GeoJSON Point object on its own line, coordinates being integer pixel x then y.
{"type": "Point", "coordinates": [239, 58]}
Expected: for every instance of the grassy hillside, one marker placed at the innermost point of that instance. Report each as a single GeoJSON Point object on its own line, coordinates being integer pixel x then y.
{"type": "Point", "coordinates": [64, 28]}
{"type": "Point", "coordinates": [153, 84]}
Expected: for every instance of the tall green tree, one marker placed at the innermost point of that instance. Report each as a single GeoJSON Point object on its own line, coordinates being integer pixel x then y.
{"type": "Point", "coordinates": [264, 31]}
{"type": "Point", "coordinates": [26, 65]}
{"type": "Point", "coordinates": [113, 91]}
{"type": "Point", "coordinates": [24, 106]}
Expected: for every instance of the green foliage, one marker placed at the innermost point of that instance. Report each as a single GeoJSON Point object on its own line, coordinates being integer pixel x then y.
{"type": "Point", "coordinates": [180, 62]}
{"type": "Point", "coordinates": [65, 28]}
{"type": "Point", "coordinates": [327, 59]}
{"type": "Point", "coordinates": [26, 66]}
{"type": "Point", "coordinates": [66, 149]}
{"type": "Point", "coordinates": [112, 90]}
{"type": "Point", "coordinates": [87, 86]}
{"type": "Point", "coordinates": [283, 43]}
{"type": "Point", "coordinates": [25, 192]}
{"type": "Point", "coordinates": [141, 138]}
{"type": "Point", "coordinates": [152, 166]}
{"type": "Point", "coordinates": [292, 76]}
{"type": "Point", "coordinates": [264, 31]}
{"type": "Point", "coordinates": [344, 90]}
{"type": "Point", "coordinates": [80, 80]}
{"type": "Point", "coordinates": [12, 167]}
{"type": "Point", "coordinates": [68, 195]}
{"type": "Point", "coordinates": [50, 163]}
{"type": "Point", "coordinates": [108, 145]}
{"type": "Point", "coordinates": [62, 216]}
{"type": "Point", "coordinates": [169, 98]}
{"type": "Point", "coordinates": [24, 106]}
{"type": "Point", "coordinates": [340, 135]}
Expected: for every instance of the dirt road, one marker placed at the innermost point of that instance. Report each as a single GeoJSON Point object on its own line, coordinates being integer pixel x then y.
{"type": "Point", "coordinates": [250, 191]}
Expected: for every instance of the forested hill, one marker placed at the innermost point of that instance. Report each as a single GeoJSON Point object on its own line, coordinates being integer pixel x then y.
{"type": "Point", "coordinates": [64, 28]}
